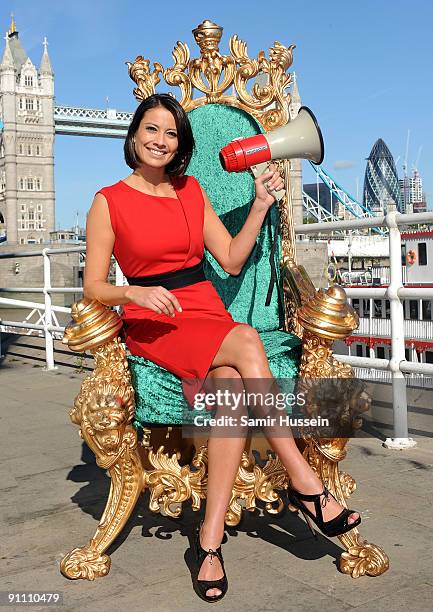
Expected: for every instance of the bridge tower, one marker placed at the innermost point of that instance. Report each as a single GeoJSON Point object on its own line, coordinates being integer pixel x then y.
{"type": "Point", "coordinates": [27, 151]}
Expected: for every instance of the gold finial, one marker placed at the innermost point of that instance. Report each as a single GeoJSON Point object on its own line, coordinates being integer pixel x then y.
{"type": "Point", "coordinates": [93, 325]}
{"type": "Point", "coordinates": [13, 27]}
{"type": "Point", "coordinates": [328, 314]}
{"type": "Point", "coordinates": [208, 35]}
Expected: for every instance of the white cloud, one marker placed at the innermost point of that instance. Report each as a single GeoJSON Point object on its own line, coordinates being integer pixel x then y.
{"type": "Point", "coordinates": [342, 164]}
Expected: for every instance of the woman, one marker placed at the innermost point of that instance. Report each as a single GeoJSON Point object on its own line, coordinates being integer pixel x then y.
{"type": "Point", "coordinates": [157, 222]}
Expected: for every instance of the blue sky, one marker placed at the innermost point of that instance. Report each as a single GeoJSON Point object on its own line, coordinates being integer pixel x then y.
{"type": "Point", "coordinates": [365, 68]}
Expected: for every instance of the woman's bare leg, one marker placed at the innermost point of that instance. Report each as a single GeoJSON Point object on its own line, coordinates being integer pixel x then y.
{"type": "Point", "coordinates": [224, 456]}
{"type": "Point", "coordinates": [243, 350]}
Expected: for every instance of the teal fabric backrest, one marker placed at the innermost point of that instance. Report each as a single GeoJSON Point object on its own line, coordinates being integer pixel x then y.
{"type": "Point", "coordinates": [231, 194]}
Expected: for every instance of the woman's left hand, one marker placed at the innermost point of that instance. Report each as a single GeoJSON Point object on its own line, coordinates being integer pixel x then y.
{"type": "Point", "coordinates": [273, 181]}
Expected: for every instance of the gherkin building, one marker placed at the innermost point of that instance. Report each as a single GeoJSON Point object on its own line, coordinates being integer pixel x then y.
{"type": "Point", "coordinates": [381, 188]}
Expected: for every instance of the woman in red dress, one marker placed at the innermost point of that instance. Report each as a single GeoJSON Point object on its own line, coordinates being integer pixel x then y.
{"type": "Point", "coordinates": [157, 222]}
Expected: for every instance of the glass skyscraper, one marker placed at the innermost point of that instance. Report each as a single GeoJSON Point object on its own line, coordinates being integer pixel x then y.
{"type": "Point", "coordinates": [381, 187]}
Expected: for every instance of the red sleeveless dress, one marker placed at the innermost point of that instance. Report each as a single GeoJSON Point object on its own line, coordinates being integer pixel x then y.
{"type": "Point", "coordinates": [154, 235]}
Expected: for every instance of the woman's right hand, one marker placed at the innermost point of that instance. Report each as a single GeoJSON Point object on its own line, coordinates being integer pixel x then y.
{"type": "Point", "coordinates": [158, 299]}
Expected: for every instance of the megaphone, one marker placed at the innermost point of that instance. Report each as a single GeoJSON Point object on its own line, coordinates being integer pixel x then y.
{"type": "Point", "coordinates": [299, 139]}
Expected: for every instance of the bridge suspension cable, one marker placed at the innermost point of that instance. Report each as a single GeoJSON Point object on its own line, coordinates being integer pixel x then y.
{"type": "Point", "coordinates": [349, 204]}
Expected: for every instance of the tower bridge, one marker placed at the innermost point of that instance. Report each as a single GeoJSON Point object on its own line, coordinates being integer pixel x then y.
{"type": "Point", "coordinates": [105, 123]}
{"type": "Point", "coordinates": [29, 122]}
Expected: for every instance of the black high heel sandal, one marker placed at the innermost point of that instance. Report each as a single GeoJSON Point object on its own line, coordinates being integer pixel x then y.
{"type": "Point", "coordinates": [334, 527]}
{"type": "Point", "coordinates": [204, 585]}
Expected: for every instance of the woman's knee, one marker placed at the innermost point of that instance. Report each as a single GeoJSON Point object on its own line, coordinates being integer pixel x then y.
{"type": "Point", "coordinates": [227, 384]}
{"type": "Point", "coordinates": [249, 340]}
{"type": "Point", "coordinates": [224, 372]}
{"type": "Point", "coordinates": [223, 377]}
{"type": "Point", "coordinates": [241, 346]}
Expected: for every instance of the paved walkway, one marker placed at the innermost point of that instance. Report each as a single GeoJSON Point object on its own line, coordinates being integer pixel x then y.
{"type": "Point", "coordinates": [52, 494]}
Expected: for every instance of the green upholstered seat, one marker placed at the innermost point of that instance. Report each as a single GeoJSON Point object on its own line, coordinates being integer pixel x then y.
{"type": "Point", "coordinates": [159, 398]}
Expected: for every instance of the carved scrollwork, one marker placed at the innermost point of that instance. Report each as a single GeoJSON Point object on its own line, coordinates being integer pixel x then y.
{"type": "Point", "coordinates": [176, 76]}
{"type": "Point", "coordinates": [139, 71]}
{"type": "Point", "coordinates": [362, 557]}
{"type": "Point", "coordinates": [325, 317]}
{"type": "Point", "coordinates": [243, 489]}
{"type": "Point", "coordinates": [255, 482]}
{"type": "Point", "coordinates": [269, 480]}
{"type": "Point", "coordinates": [85, 563]}
{"type": "Point", "coordinates": [248, 69]}
{"type": "Point", "coordinates": [348, 484]}
{"type": "Point", "coordinates": [171, 484]}
{"type": "Point", "coordinates": [213, 74]}
{"type": "Point", "coordinates": [218, 70]}
{"type": "Point", "coordinates": [280, 59]}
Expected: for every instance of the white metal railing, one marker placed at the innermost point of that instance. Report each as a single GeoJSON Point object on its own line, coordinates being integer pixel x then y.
{"type": "Point", "coordinates": [383, 274]}
{"type": "Point", "coordinates": [368, 277]}
{"type": "Point", "coordinates": [395, 292]}
{"type": "Point", "coordinates": [48, 326]}
{"type": "Point", "coordinates": [413, 328]}
{"type": "Point", "coordinates": [38, 312]}
{"type": "Point", "coordinates": [384, 376]}
{"type": "Point", "coordinates": [357, 277]}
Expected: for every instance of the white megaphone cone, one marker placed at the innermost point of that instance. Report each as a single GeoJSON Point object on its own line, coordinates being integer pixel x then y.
{"type": "Point", "coordinates": [299, 139]}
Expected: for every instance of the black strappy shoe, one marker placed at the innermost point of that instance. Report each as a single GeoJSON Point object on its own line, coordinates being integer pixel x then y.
{"type": "Point", "coordinates": [204, 585]}
{"type": "Point", "coordinates": [334, 527]}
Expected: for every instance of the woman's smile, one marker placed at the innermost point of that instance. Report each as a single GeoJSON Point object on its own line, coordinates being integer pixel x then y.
{"type": "Point", "coordinates": [156, 152]}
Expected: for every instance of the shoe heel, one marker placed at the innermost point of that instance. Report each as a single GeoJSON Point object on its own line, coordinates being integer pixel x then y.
{"type": "Point", "coordinates": [310, 524]}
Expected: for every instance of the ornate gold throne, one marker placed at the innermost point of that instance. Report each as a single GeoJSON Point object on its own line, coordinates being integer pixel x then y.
{"type": "Point", "coordinates": [172, 468]}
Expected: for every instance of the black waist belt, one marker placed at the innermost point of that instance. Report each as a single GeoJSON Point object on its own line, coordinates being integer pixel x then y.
{"type": "Point", "coordinates": [171, 280]}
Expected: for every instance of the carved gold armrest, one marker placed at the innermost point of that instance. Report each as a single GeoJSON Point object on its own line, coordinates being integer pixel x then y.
{"type": "Point", "coordinates": [108, 389]}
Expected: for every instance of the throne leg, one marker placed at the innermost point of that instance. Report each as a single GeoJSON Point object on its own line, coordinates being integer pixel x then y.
{"type": "Point", "coordinates": [360, 557]}
{"type": "Point", "coordinates": [327, 317]}
{"type": "Point", "coordinates": [126, 473]}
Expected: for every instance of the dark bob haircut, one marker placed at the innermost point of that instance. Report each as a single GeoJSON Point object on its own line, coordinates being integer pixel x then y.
{"type": "Point", "coordinates": [179, 164]}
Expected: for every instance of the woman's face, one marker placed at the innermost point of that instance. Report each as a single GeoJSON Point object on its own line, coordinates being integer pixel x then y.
{"type": "Point", "coordinates": [156, 138]}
